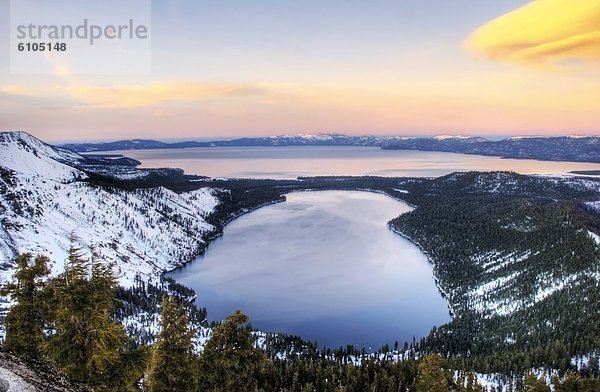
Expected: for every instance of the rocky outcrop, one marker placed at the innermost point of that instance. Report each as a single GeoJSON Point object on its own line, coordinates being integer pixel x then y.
{"type": "Point", "coordinates": [17, 375]}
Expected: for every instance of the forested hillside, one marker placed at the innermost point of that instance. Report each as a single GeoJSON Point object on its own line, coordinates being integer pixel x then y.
{"type": "Point", "coordinates": [518, 258]}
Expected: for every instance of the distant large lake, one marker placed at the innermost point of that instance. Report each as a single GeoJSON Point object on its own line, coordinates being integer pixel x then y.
{"type": "Point", "coordinates": [322, 265]}
{"type": "Point", "coordinates": [291, 162]}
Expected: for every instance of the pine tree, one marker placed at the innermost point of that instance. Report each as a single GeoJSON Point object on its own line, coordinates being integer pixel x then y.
{"type": "Point", "coordinates": [25, 320]}
{"type": "Point", "coordinates": [230, 362]}
{"type": "Point", "coordinates": [470, 382]}
{"type": "Point", "coordinates": [533, 384]}
{"type": "Point", "coordinates": [172, 364]}
{"type": "Point", "coordinates": [107, 338]}
{"type": "Point", "coordinates": [68, 348]}
{"type": "Point", "coordinates": [432, 376]}
{"type": "Point", "coordinates": [87, 342]}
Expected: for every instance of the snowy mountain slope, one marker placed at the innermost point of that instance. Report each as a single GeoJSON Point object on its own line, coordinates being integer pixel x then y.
{"type": "Point", "coordinates": [43, 200]}
{"type": "Point", "coordinates": [23, 153]}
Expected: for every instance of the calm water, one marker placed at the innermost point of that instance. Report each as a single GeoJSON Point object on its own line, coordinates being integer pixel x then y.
{"type": "Point", "coordinates": [291, 162]}
{"type": "Point", "coordinates": [322, 265]}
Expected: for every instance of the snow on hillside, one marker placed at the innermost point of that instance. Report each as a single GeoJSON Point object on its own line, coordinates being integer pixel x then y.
{"type": "Point", "coordinates": [594, 205]}
{"type": "Point", "coordinates": [29, 156]}
{"type": "Point", "coordinates": [43, 201]}
{"type": "Point", "coordinates": [309, 136]}
{"type": "Point", "coordinates": [454, 137]}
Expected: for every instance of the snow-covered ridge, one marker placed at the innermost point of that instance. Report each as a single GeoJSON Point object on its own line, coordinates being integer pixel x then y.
{"type": "Point", "coordinates": [28, 155]}
{"type": "Point", "coordinates": [458, 137]}
{"type": "Point", "coordinates": [309, 136]}
{"type": "Point", "coordinates": [43, 201]}
{"type": "Point", "coordinates": [527, 137]}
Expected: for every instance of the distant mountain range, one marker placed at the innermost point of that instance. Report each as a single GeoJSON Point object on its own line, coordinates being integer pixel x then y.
{"type": "Point", "coordinates": [562, 148]}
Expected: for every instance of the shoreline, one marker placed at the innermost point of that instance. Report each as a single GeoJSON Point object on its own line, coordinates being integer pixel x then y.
{"type": "Point", "coordinates": [443, 292]}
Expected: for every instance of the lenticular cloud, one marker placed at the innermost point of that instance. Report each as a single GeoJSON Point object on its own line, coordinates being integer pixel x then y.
{"type": "Point", "coordinates": [542, 32]}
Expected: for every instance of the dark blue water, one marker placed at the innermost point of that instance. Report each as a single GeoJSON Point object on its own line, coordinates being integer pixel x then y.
{"type": "Point", "coordinates": [322, 265]}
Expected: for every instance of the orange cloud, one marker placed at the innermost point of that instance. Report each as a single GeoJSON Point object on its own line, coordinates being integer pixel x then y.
{"type": "Point", "coordinates": [158, 93]}
{"type": "Point", "coordinates": [87, 95]}
{"type": "Point", "coordinates": [542, 32]}
{"type": "Point", "coordinates": [17, 90]}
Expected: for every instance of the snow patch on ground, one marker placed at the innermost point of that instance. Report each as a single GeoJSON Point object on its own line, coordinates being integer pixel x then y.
{"type": "Point", "coordinates": [494, 285]}
{"type": "Point", "coordinates": [594, 205]}
{"type": "Point", "coordinates": [548, 289]}
{"type": "Point", "coordinates": [495, 263]}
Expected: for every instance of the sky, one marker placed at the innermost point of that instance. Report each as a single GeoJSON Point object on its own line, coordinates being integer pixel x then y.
{"type": "Point", "coordinates": [230, 68]}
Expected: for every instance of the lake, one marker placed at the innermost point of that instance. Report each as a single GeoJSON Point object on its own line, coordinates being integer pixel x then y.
{"type": "Point", "coordinates": [291, 162]}
{"type": "Point", "coordinates": [322, 265]}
